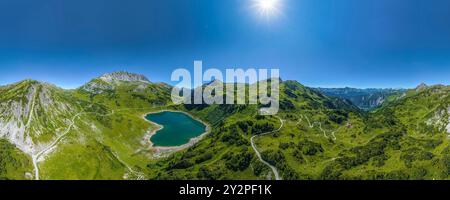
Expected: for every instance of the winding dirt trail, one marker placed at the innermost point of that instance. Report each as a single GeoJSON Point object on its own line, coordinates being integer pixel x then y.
{"type": "Point", "coordinates": [319, 124]}
{"type": "Point", "coordinates": [138, 175]}
{"type": "Point", "coordinates": [274, 169]}
{"type": "Point", "coordinates": [36, 156]}
{"type": "Point", "coordinates": [46, 150]}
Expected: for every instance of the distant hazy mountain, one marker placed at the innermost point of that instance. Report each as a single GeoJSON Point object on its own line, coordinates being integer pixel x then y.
{"type": "Point", "coordinates": [366, 99]}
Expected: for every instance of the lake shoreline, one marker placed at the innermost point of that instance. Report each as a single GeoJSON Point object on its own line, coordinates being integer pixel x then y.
{"type": "Point", "coordinates": [161, 150]}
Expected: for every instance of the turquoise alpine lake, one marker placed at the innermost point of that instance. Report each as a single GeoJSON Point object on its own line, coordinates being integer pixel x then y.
{"type": "Point", "coordinates": [177, 128]}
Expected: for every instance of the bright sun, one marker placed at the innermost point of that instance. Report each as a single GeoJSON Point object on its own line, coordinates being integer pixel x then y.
{"type": "Point", "coordinates": [267, 8]}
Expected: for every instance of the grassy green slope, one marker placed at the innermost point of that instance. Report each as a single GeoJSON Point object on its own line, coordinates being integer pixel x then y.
{"type": "Point", "coordinates": [14, 164]}
{"type": "Point", "coordinates": [108, 140]}
{"type": "Point", "coordinates": [105, 140]}
{"type": "Point", "coordinates": [226, 152]}
{"type": "Point", "coordinates": [123, 94]}
{"type": "Point", "coordinates": [322, 137]}
{"type": "Point", "coordinates": [393, 142]}
{"type": "Point", "coordinates": [103, 146]}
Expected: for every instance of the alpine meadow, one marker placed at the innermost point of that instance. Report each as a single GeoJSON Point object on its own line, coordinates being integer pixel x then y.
{"type": "Point", "coordinates": [224, 99]}
{"type": "Point", "coordinates": [99, 131]}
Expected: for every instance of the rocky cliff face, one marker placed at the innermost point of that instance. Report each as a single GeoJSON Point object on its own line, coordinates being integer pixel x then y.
{"type": "Point", "coordinates": [440, 120]}
{"type": "Point", "coordinates": [447, 127]}
{"type": "Point", "coordinates": [32, 114]}
{"type": "Point", "coordinates": [365, 99]}
{"type": "Point", "coordinates": [108, 82]}
{"type": "Point", "coordinates": [123, 76]}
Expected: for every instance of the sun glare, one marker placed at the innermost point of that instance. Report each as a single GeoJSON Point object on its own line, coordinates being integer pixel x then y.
{"type": "Point", "coordinates": [267, 8]}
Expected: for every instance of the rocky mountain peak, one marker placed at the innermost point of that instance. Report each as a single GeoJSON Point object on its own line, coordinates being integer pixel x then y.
{"type": "Point", "coordinates": [123, 76]}
{"type": "Point", "coordinates": [421, 87]}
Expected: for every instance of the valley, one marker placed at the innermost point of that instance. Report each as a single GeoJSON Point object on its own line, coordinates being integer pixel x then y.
{"type": "Point", "coordinates": [97, 132]}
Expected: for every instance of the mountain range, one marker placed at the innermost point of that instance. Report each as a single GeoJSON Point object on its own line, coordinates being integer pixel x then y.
{"type": "Point", "coordinates": [97, 131]}
{"type": "Point", "coordinates": [365, 99]}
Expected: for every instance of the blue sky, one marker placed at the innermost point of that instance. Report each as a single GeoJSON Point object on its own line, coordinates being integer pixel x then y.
{"type": "Point", "coordinates": [328, 43]}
